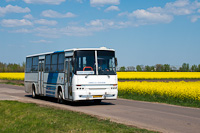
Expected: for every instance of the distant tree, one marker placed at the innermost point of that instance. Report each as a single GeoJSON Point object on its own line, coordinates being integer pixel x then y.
{"type": "Point", "coordinates": [12, 67]}
{"type": "Point", "coordinates": [122, 69]}
{"type": "Point", "coordinates": [194, 68]}
{"type": "Point", "coordinates": [152, 68]}
{"type": "Point", "coordinates": [198, 68]}
{"type": "Point", "coordinates": [159, 68]}
{"type": "Point", "coordinates": [147, 68]}
{"type": "Point", "coordinates": [130, 68]}
{"type": "Point", "coordinates": [185, 67]}
{"type": "Point", "coordinates": [167, 68]}
{"type": "Point", "coordinates": [139, 68]}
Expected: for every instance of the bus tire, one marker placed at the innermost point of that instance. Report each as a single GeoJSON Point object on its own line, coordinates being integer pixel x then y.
{"type": "Point", "coordinates": [60, 97]}
{"type": "Point", "coordinates": [33, 92]}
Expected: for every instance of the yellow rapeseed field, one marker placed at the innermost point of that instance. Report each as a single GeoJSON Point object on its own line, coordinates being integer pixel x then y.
{"type": "Point", "coordinates": [181, 90]}
{"type": "Point", "coordinates": [12, 76]}
{"type": "Point", "coordinates": [158, 75]}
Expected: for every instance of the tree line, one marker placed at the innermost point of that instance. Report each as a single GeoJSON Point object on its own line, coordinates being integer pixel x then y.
{"type": "Point", "coordinates": [161, 68]}
{"type": "Point", "coordinates": [12, 67]}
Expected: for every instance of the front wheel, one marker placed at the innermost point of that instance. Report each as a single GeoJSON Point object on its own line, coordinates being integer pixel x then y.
{"type": "Point", "coordinates": [60, 97]}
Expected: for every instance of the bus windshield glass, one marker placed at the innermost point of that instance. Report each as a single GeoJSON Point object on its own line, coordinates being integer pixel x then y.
{"type": "Point", "coordinates": [85, 62]}
{"type": "Point", "coordinates": [106, 62]}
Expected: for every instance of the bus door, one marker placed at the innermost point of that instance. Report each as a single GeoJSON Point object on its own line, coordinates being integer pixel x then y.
{"type": "Point", "coordinates": [41, 77]}
{"type": "Point", "coordinates": [68, 78]}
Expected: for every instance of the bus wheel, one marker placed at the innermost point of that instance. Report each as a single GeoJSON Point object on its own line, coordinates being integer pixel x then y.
{"type": "Point", "coordinates": [60, 97]}
{"type": "Point", "coordinates": [98, 101]}
{"type": "Point", "coordinates": [33, 93]}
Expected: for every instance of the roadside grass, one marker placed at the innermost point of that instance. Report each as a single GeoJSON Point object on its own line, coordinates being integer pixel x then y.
{"type": "Point", "coordinates": [12, 83]}
{"type": "Point", "coordinates": [159, 99]}
{"type": "Point", "coordinates": [28, 117]}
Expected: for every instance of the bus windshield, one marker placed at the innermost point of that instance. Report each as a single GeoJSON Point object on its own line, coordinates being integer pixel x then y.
{"type": "Point", "coordinates": [106, 62]}
{"type": "Point", "coordinates": [85, 62]}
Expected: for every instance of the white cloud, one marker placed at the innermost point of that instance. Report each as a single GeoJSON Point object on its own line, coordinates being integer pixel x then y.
{"type": "Point", "coordinates": [123, 14]}
{"type": "Point", "coordinates": [154, 15]}
{"type": "Point", "coordinates": [104, 24]}
{"type": "Point", "coordinates": [112, 8]}
{"type": "Point", "coordinates": [28, 16]}
{"type": "Point", "coordinates": [13, 9]}
{"type": "Point", "coordinates": [179, 7]}
{"type": "Point", "coordinates": [178, 3]}
{"type": "Point", "coordinates": [194, 18]}
{"type": "Point", "coordinates": [21, 31]}
{"type": "Point", "coordinates": [54, 14]}
{"type": "Point", "coordinates": [72, 30]}
{"type": "Point", "coordinates": [45, 22]}
{"type": "Point", "coordinates": [104, 2]}
{"type": "Point", "coordinates": [51, 2]}
{"type": "Point", "coordinates": [149, 17]}
{"type": "Point", "coordinates": [15, 22]}
{"type": "Point", "coordinates": [41, 41]}
{"type": "Point", "coordinates": [95, 23]}
{"type": "Point", "coordinates": [101, 23]}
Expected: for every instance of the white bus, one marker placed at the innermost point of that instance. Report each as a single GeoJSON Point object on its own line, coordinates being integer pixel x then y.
{"type": "Point", "coordinates": [73, 74]}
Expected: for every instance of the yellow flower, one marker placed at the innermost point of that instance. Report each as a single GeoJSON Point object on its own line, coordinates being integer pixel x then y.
{"type": "Point", "coordinates": [12, 76]}
{"type": "Point", "coordinates": [158, 75]}
{"type": "Point", "coordinates": [181, 90]}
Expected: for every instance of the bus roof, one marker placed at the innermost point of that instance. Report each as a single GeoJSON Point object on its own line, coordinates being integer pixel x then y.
{"type": "Point", "coordinates": [75, 49]}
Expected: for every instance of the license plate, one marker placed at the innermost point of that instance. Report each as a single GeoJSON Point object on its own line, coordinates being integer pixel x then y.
{"type": "Point", "coordinates": [97, 96]}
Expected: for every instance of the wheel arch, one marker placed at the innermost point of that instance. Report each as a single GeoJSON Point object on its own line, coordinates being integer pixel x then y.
{"type": "Point", "coordinates": [60, 88]}
{"type": "Point", "coordinates": [34, 86]}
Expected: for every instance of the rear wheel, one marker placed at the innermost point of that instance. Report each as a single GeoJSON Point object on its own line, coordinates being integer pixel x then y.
{"type": "Point", "coordinates": [33, 93]}
{"type": "Point", "coordinates": [60, 97]}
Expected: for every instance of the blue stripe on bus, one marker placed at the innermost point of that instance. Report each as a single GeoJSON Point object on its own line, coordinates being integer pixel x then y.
{"type": "Point", "coordinates": [50, 92]}
{"type": "Point", "coordinates": [52, 78]}
{"type": "Point", "coordinates": [59, 51]}
{"type": "Point", "coordinates": [50, 89]}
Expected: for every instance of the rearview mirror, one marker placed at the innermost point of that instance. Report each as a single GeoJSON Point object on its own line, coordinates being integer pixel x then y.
{"type": "Point", "coordinates": [116, 63]}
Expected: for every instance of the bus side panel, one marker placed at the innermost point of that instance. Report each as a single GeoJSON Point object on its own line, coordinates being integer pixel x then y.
{"type": "Point", "coordinates": [31, 77]}
{"type": "Point", "coordinates": [28, 87]}
{"type": "Point", "coordinates": [51, 83]}
{"type": "Point", "coordinates": [29, 80]}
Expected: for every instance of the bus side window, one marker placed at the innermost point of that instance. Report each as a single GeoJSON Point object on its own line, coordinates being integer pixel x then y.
{"type": "Point", "coordinates": [35, 64]}
{"type": "Point", "coordinates": [47, 63]}
{"type": "Point", "coordinates": [61, 62]}
{"type": "Point", "coordinates": [54, 62]}
{"type": "Point", "coordinates": [28, 64]}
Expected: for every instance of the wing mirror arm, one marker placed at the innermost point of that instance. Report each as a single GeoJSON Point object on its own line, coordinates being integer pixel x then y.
{"type": "Point", "coordinates": [116, 63]}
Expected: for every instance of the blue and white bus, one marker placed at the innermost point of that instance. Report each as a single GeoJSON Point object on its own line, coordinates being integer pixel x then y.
{"type": "Point", "coordinates": [73, 74]}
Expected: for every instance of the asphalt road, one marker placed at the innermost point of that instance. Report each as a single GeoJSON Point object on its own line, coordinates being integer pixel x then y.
{"type": "Point", "coordinates": [152, 116]}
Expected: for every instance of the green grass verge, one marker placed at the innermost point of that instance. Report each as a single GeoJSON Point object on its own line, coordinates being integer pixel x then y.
{"type": "Point", "coordinates": [27, 117]}
{"type": "Point", "coordinates": [11, 83]}
{"type": "Point", "coordinates": [159, 98]}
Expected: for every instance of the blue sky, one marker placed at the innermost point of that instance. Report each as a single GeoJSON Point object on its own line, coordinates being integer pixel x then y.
{"type": "Point", "coordinates": [142, 32]}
